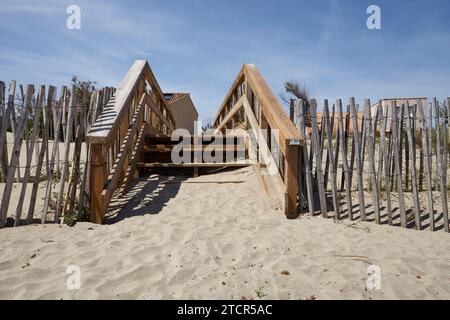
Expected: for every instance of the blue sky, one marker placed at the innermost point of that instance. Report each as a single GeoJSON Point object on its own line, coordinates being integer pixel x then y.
{"type": "Point", "coordinates": [198, 46]}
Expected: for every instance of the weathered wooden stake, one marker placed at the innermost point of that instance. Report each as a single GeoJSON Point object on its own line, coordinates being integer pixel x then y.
{"type": "Point", "coordinates": [67, 141]}
{"type": "Point", "coordinates": [337, 210]}
{"type": "Point", "coordinates": [410, 144]}
{"type": "Point", "coordinates": [441, 166]}
{"type": "Point", "coordinates": [386, 161]}
{"type": "Point", "coordinates": [15, 156]}
{"type": "Point", "coordinates": [309, 185]}
{"type": "Point", "coordinates": [42, 152]}
{"type": "Point", "coordinates": [398, 172]}
{"type": "Point", "coordinates": [362, 205]}
{"type": "Point", "coordinates": [345, 160]}
{"type": "Point", "coordinates": [316, 147]}
{"type": "Point", "coordinates": [36, 119]}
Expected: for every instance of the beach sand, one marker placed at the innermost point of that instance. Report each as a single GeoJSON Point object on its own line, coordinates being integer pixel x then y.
{"type": "Point", "coordinates": [217, 237]}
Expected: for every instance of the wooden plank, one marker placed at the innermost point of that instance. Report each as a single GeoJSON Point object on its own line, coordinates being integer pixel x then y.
{"type": "Point", "coordinates": [397, 167]}
{"type": "Point", "coordinates": [327, 163]}
{"type": "Point", "coordinates": [427, 168]}
{"type": "Point", "coordinates": [309, 184]}
{"type": "Point", "coordinates": [75, 174]}
{"type": "Point", "coordinates": [445, 144]}
{"type": "Point", "coordinates": [240, 163]}
{"type": "Point", "coordinates": [386, 160]}
{"type": "Point", "coordinates": [362, 205]}
{"type": "Point", "coordinates": [363, 142]}
{"type": "Point", "coordinates": [69, 201]}
{"type": "Point", "coordinates": [85, 176]}
{"type": "Point", "coordinates": [42, 152]}
{"type": "Point", "coordinates": [77, 163]}
{"type": "Point", "coordinates": [345, 163]}
{"type": "Point", "coordinates": [15, 156]}
{"type": "Point", "coordinates": [383, 124]}
{"type": "Point", "coordinates": [3, 146]}
{"type": "Point", "coordinates": [346, 127]}
{"type": "Point", "coordinates": [98, 176]}
{"type": "Point", "coordinates": [301, 177]}
{"type": "Point", "coordinates": [353, 150]}
{"type": "Point", "coordinates": [36, 120]}
{"type": "Point", "coordinates": [373, 178]}
{"type": "Point", "coordinates": [329, 127]}
{"type": "Point", "coordinates": [415, 191]}
{"type": "Point", "coordinates": [448, 126]}
{"type": "Point", "coordinates": [62, 103]}
{"type": "Point", "coordinates": [336, 154]}
{"type": "Point", "coordinates": [5, 123]}
{"type": "Point", "coordinates": [317, 151]}
{"type": "Point", "coordinates": [407, 148]}
{"type": "Point", "coordinates": [441, 166]}
{"type": "Point", "coordinates": [321, 135]}
{"type": "Point", "coordinates": [67, 141]}
{"type": "Point", "coordinates": [400, 139]}
{"type": "Point", "coordinates": [57, 121]}
{"type": "Point", "coordinates": [237, 106]}
{"type": "Point", "coordinates": [290, 181]}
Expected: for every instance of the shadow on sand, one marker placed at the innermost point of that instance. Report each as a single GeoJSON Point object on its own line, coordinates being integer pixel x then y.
{"type": "Point", "coordinates": [147, 195]}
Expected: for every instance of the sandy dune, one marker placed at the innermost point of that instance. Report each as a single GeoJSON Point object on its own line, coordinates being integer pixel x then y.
{"type": "Point", "coordinates": [216, 236]}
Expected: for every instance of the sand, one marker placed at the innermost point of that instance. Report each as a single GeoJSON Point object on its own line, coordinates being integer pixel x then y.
{"type": "Point", "coordinates": [217, 237]}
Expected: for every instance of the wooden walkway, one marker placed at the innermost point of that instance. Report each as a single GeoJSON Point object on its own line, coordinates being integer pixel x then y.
{"type": "Point", "coordinates": [121, 146]}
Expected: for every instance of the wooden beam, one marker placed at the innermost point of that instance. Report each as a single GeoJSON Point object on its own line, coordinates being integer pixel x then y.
{"type": "Point", "coordinates": [238, 105]}
{"type": "Point", "coordinates": [98, 174]}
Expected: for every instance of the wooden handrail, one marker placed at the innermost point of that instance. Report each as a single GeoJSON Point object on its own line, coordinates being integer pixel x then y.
{"type": "Point", "coordinates": [276, 116]}
{"type": "Point", "coordinates": [120, 127]}
{"type": "Point", "coordinates": [250, 86]}
{"type": "Point", "coordinates": [132, 85]}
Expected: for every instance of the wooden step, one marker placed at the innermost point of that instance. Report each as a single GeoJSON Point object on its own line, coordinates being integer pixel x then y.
{"type": "Point", "coordinates": [161, 148]}
{"type": "Point", "coordinates": [243, 163]}
{"type": "Point", "coordinates": [225, 140]}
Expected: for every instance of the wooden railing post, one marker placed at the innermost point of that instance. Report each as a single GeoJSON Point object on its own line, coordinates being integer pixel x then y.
{"type": "Point", "coordinates": [290, 180]}
{"type": "Point", "coordinates": [268, 115]}
{"type": "Point", "coordinates": [98, 176]}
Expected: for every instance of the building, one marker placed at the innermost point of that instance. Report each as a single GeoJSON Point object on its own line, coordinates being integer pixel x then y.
{"type": "Point", "coordinates": [345, 117]}
{"type": "Point", "coordinates": [400, 103]}
{"type": "Point", "coordinates": [183, 110]}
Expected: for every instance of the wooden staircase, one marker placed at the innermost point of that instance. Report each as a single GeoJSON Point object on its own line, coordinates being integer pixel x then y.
{"type": "Point", "coordinates": [199, 153]}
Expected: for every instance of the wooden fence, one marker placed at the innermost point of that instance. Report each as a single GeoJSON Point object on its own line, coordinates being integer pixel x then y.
{"type": "Point", "coordinates": [392, 168]}
{"type": "Point", "coordinates": [41, 147]}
